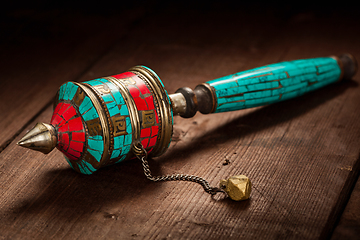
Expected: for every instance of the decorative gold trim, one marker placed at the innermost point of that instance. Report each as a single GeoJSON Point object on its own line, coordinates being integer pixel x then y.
{"type": "Point", "coordinates": [119, 123]}
{"type": "Point", "coordinates": [178, 103]}
{"type": "Point", "coordinates": [103, 121]}
{"type": "Point", "coordinates": [213, 96]}
{"type": "Point", "coordinates": [161, 98]}
{"type": "Point", "coordinates": [129, 101]}
{"type": "Point", "coordinates": [98, 90]}
{"type": "Point", "coordinates": [148, 118]}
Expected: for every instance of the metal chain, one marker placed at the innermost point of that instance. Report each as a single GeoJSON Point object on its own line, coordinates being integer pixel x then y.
{"type": "Point", "coordinates": [141, 154]}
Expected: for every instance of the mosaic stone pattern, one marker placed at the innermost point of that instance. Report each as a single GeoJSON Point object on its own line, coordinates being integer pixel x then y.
{"type": "Point", "coordinates": [273, 83]}
{"type": "Point", "coordinates": [119, 118]}
{"type": "Point", "coordinates": [71, 131]}
{"type": "Point", "coordinates": [80, 130]}
{"type": "Point", "coordinates": [74, 117]}
{"type": "Point", "coordinates": [145, 104]}
{"type": "Point", "coordinates": [167, 96]}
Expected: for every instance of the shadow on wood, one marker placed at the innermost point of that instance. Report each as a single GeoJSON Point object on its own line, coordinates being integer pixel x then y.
{"type": "Point", "coordinates": [126, 184]}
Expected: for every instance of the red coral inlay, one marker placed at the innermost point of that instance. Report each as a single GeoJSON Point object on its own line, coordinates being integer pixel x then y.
{"type": "Point", "coordinates": [152, 141]}
{"type": "Point", "coordinates": [77, 146]}
{"type": "Point", "coordinates": [143, 89]}
{"type": "Point", "coordinates": [154, 131]}
{"type": "Point", "coordinates": [78, 136]}
{"type": "Point", "coordinates": [75, 124]}
{"type": "Point", "coordinates": [71, 131]}
{"type": "Point", "coordinates": [141, 104]}
{"type": "Point", "coordinates": [64, 128]}
{"type": "Point", "coordinates": [124, 75]}
{"type": "Point", "coordinates": [56, 110]}
{"type": "Point", "coordinates": [69, 113]}
{"type": "Point", "coordinates": [135, 93]}
{"type": "Point", "coordinates": [145, 142]}
{"type": "Point", "coordinates": [144, 101]}
{"type": "Point", "coordinates": [63, 108]}
{"type": "Point", "coordinates": [63, 142]}
{"type": "Point", "coordinates": [73, 153]}
{"type": "Point", "coordinates": [57, 121]}
{"type": "Point", "coordinates": [145, 132]}
{"type": "Point", "coordinates": [150, 102]}
{"type": "Point", "coordinates": [64, 138]}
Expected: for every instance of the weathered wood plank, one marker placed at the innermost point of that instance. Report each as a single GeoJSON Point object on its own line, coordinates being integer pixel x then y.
{"type": "Point", "coordinates": [348, 227]}
{"type": "Point", "coordinates": [295, 152]}
{"type": "Point", "coordinates": [323, 41]}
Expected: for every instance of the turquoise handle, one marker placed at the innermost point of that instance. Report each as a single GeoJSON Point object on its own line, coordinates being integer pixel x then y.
{"type": "Point", "coordinates": [274, 83]}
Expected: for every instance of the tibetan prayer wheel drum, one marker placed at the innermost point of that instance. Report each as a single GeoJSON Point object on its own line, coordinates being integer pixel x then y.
{"type": "Point", "coordinates": [110, 119]}
{"type": "Point", "coordinates": [100, 122]}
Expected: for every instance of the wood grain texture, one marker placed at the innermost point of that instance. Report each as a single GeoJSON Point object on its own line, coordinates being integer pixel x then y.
{"type": "Point", "coordinates": [297, 153]}
{"type": "Point", "coordinates": [348, 227]}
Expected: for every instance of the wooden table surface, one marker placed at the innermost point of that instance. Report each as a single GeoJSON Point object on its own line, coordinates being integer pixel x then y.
{"type": "Point", "coordinates": [302, 155]}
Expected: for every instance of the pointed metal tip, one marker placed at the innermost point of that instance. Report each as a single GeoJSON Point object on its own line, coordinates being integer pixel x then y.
{"type": "Point", "coordinates": [41, 138]}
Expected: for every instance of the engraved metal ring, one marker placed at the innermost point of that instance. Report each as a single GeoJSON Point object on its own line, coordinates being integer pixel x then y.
{"type": "Point", "coordinates": [164, 105]}
{"type": "Point", "coordinates": [129, 101]}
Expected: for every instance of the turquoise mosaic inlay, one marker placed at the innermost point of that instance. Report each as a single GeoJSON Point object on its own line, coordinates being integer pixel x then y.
{"type": "Point", "coordinates": [273, 83]}
{"type": "Point", "coordinates": [95, 144]}
{"type": "Point", "coordinates": [117, 109]}
{"type": "Point", "coordinates": [86, 105]}
{"type": "Point", "coordinates": [85, 167]}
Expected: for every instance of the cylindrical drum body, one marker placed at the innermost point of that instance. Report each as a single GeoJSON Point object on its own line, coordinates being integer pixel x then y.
{"type": "Point", "coordinates": [99, 122]}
